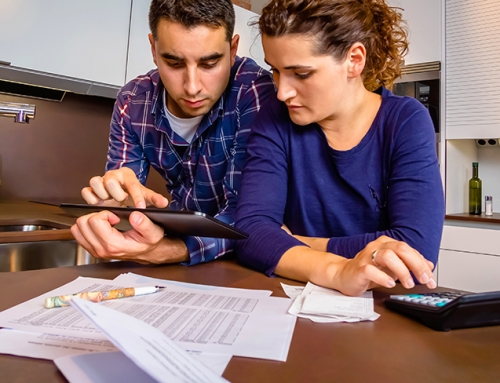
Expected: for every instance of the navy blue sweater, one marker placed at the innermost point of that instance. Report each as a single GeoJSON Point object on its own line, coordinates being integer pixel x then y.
{"type": "Point", "coordinates": [389, 184]}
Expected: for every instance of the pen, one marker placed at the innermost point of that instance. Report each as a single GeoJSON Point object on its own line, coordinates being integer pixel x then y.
{"type": "Point", "coordinates": [97, 296]}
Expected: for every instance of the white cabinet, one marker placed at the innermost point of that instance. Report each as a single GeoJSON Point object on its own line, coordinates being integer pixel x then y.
{"type": "Point", "coordinates": [472, 78]}
{"type": "Point", "coordinates": [140, 59]}
{"type": "Point", "coordinates": [469, 271]}
{"type": "Point", "coordinates": [469, 259]}
{"type": "Point", "coordinates": [424, 18]}
{"type": "Point", "coordinates": [78, 39]}
{"type": "Point", "coordinates": [472, 91]}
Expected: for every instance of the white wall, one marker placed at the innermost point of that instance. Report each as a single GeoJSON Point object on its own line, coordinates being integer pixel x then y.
{"type": "Point", "coordinates": [140, 60]}
{"type": "Point", "coordinates": [424, 22]}
{"type": "Point", "coordinates": [489, 172]}
{"type": "Point", "coordinates": [250, 41]}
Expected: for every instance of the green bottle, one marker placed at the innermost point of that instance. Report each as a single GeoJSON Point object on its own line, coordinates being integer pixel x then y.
{"type": "Point", "coordinates": [475, 191]}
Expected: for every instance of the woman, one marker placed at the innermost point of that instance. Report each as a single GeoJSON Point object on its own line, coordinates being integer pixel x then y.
{"type": "Point", "coordinates": [341, 185]}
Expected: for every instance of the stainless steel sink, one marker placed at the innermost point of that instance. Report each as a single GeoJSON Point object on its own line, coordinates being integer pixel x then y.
{"type": "Point", "coordinates": [43, 255]}
{"type": "Point", "coordinates": [13, 228]}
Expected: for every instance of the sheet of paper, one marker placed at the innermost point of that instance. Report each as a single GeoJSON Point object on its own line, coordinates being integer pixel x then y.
{"type": "Point", "coordinates": [133, 279]}
{"type": "Point", "coordinates": [332, 305]}
{"type": "Point", "coordinates": [205, 320]}
{"type": "Point", "coordinates": [323, 305]}
{"type": "Point", "coordinates": [265, 319]}
{"type": "Point", "coordinates": [292, 291]}
{"type": "Point", "coordinates": [146, 346]}
{"type": "Point", "coordinates": [98, 367]}
{"type": "Point", "coordinates": [49, 346]}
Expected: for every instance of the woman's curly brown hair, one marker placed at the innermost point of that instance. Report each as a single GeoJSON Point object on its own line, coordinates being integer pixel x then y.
{"type": "Point", "coordinates": [337, 24]}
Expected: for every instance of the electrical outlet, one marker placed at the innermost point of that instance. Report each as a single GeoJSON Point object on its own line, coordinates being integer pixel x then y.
{"type": "Point", "coordinates": [487, 142]}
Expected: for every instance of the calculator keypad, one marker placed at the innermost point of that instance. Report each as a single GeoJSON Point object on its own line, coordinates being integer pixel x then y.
{"type": "Point", "coordinates": [428, 299]}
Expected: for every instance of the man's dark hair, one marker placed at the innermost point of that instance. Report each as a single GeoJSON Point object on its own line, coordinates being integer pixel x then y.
{"type": "Point", "coordinates": [193, 13]}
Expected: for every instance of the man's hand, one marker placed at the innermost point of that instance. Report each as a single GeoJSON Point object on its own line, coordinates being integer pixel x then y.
{"type": "Point", "coordinates": [145, 243]}
{"type": "Point", "coordinates": [121, 188]}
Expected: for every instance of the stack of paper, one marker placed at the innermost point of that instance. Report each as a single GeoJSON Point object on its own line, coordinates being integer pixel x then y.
{"type": "Point", "coordinates": [211, 323]}
{"type": "Point", "coordinates": [320, 304]}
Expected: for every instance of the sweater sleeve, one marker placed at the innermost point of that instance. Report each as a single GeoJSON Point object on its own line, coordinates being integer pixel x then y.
{"type": "Point", "coordinates": [261, 214]}
{"type": "Point", "coordinates": [415, 198]}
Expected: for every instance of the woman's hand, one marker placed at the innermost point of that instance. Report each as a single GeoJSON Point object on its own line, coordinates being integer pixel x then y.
{"type": "Point", "coordinates": [382, 262]}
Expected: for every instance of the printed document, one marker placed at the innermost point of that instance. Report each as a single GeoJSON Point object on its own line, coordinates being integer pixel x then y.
{"type": "Point", "coordinates": [146, 346]}
{"type": "Point", "coordinates": [215, 320]}
{"type": "Point", "coordinates": [72, 354]}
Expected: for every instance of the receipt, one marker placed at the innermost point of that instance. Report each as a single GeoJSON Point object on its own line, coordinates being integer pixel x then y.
{"type": "Point", "coordinates": [320, 304]}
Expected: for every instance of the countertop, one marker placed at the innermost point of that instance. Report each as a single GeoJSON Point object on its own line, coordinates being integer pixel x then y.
{"type": "Point", "coordinates": [25, 212]}
{"type": "Point", "coordinates": [391, 349]}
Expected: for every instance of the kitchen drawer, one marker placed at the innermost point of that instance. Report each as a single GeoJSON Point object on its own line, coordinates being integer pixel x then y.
{"type": "Point", "coordinates": [469, 239]}
{"type": "Point", "coordinates": [469, 271]}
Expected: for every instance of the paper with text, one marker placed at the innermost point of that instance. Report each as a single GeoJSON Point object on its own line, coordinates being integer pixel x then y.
{"type": "Point", "coordinates": [205, 320]}
{"type": "Point", "coordinates": [324, 305]}
{"type": "Point", "coordinates": [146, 346]}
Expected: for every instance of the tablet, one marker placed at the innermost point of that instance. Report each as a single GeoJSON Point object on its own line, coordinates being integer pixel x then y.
{"type": "Point", "coordinates": [178, 223]}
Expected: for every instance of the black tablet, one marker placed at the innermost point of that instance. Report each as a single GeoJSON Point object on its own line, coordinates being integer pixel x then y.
{"type": "Point", "coordinates": [191, 223]}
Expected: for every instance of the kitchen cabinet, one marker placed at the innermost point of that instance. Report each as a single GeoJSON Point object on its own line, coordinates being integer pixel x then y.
{"type": "Point", "coordinates": [472, 91]}
{"type": "Point", "coordinates": [78, 39]}
{"type": "Point", "coordinates": [140, 60]}
{"type": "Point", "coordinates": [424, 18]}
{"type": "Point", "coordinates": [469, 259]}
{"type": "Point", "coordinates": [472, 79]}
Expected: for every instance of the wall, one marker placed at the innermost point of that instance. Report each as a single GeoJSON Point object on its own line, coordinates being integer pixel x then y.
{"type": "Point", "coordinates": [257, 5]}
{"type": "Point", "coordinates": [247, 4]}
{"type": "Point", "coordinates": [56, 154]}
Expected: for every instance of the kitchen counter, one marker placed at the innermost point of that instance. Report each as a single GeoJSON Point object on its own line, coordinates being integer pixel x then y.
{"type": "Point", "coordinates": [24, 212]}
{"type": "Point", "coordinates": [390, 349]}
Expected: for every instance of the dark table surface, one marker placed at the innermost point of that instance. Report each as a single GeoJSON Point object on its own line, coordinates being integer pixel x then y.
{"type": "Point", "coordinates": [391, 349]}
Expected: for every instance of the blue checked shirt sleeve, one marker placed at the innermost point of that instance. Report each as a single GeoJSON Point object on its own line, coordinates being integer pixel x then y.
{"type": "Point", "coordinates": [125, 148]}
{"type": "Point", "coordinates": [207, 249]}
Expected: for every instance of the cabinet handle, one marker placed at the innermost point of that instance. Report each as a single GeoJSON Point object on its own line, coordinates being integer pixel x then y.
{"type": "Point", "coordinates": [7, 63]}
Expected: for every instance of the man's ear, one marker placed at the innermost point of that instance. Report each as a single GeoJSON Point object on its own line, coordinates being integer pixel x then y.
{"type": "Point", "coordinates": [356, 60]}
{"type": "Point", "coordinates": [153, 47]}
{"type": "Point", "coordinates": [234, 48]}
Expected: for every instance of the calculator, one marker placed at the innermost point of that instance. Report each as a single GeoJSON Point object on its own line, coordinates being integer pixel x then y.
{"type": "Point", "coordinates": [449, 310]}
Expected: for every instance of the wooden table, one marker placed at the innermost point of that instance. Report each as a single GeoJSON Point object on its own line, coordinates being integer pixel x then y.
{"type": "Point", "coordinates": [391, 349]}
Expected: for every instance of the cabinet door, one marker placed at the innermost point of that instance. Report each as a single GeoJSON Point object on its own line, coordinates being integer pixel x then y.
{"type": "Point", "coordinates": [472, 80]}
{"type": "Point", "coordinates": [471, 240]}
{"type": "Point", "coordinates": [80, 39]}
{"type": "Point", "coordinates": [424, 18]}
{"type": "Point", "coordinates": [469, 271]}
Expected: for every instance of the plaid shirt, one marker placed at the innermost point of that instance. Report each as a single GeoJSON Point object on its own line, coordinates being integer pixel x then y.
{"type": "Point", "coordinates": [204, 175]}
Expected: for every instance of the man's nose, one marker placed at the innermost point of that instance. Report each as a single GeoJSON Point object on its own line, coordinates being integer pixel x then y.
{"type": "Point", "coordinates": [192, 82]}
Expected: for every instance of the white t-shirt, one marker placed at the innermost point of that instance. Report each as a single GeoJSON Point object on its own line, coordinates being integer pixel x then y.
{"type": "Point", "coordinates": [184, 127]}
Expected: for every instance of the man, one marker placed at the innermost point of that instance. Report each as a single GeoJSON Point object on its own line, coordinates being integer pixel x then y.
{"type": "Point", "coordinates": [189, 119]}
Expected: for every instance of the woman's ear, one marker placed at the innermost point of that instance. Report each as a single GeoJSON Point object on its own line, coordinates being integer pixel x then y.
{"type": "Point", "coordinates": [356, 60]}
